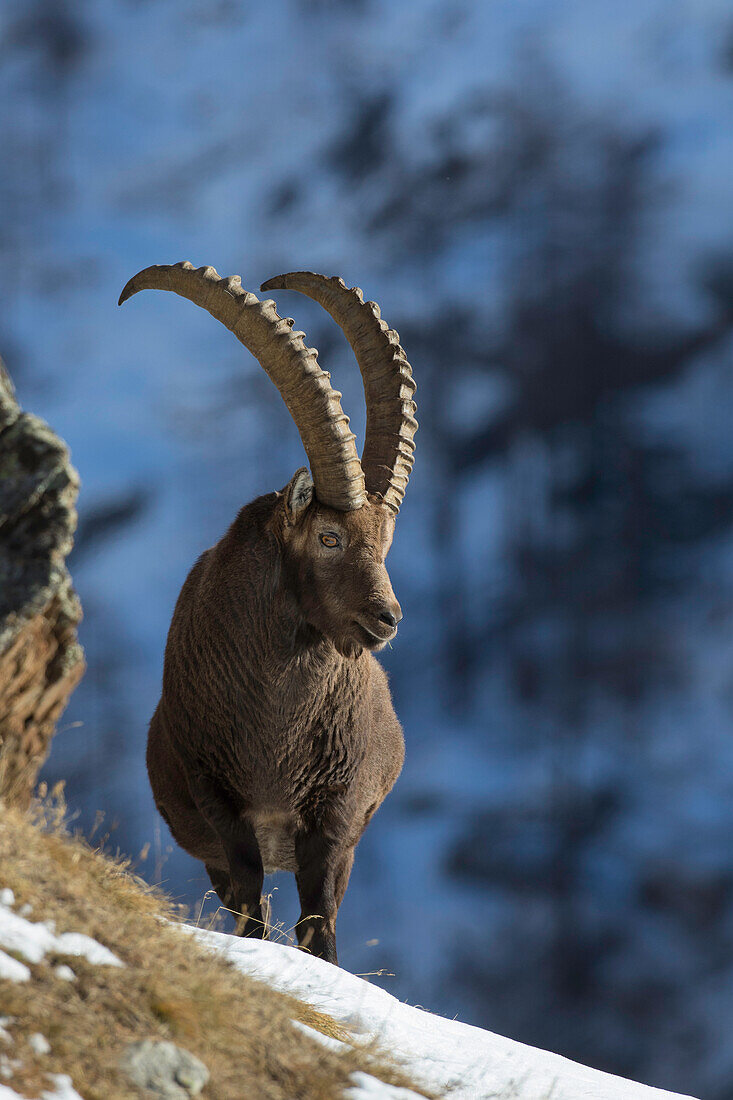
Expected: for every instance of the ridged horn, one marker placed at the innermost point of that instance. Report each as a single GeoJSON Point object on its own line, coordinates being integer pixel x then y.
{"type": "Point", "coordinates": [312, 402]}
{"type": "Point", "coordinates": [389, 446]}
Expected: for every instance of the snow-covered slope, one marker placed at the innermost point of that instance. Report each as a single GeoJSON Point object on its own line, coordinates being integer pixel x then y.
{"type": "Point", "coordinates": [449, 1058]}
{"type": "Point", "coordinates": [455, 1060]}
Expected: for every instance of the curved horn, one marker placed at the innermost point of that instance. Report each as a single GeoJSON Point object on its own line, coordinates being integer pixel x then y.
{"type": "Point", "coordinates": [305, 388]}
{"type": "Point", "coordinates": [389, 445]}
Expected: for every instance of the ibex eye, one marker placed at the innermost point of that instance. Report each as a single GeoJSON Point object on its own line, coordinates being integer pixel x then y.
{"type": "Point", "coordinates": [330, 540]}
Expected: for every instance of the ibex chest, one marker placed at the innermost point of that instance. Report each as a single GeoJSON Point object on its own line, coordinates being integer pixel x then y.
{"type": "Point", "coordinates": [299, 735]}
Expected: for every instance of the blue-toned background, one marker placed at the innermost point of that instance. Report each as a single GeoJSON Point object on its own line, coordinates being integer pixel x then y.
{"type": "Point", "coordinates": [538, 192]}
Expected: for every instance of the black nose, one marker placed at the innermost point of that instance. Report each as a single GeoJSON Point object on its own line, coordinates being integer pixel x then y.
{"type": "Point", "coordinates": [388, 618]}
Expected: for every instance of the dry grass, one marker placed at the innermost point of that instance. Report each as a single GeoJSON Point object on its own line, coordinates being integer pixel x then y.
{"type": "Point", "coordinates": [170, 987]}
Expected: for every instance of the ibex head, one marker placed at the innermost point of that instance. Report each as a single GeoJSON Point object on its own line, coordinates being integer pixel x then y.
{"type": "Point", "coordinates": [335, 527]}
{"type": "Point", "coordinates": [333, 564]}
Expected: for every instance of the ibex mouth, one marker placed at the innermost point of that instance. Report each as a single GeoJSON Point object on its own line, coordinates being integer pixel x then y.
{"type": "Point", "coordinates": [376, 634]}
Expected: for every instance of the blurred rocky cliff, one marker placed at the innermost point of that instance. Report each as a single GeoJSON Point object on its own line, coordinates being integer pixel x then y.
{"type": "Point", "coordinates": [41, 661]}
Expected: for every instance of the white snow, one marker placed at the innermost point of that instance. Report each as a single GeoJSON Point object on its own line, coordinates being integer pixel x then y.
{"type": "Point", "coordinates": [34, 940]}
{"type": "Point", "coordinates": [76, 943]}
{"type": "Point", "coordinates": [64, 972]}
{"type": "Point", "coordinates": [64, 1090]}
{"type": "Point", "coordinates": [12, 969]}
{"type": "Point", "coordinates": [367, 1087]}
{"type": "Point", "coordinates": [38, 1043]}
{"type": "Point", "coordinates": [447, 1056]}
{"type": "Point", "coordinates": [8, 1066]}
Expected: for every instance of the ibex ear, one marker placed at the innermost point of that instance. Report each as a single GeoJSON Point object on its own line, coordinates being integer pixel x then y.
{"type": "Point", "coordinates": [298, 495]}
{"type": "Point", "coordinates": [388, 526]}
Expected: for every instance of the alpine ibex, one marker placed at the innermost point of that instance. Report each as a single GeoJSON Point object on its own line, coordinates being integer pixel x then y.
{"type": "Point", "coordinates": [275, 738]}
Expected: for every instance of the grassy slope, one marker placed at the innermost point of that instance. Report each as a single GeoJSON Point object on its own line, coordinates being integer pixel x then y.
{"type": "Point", "coordinates": [170, 987]}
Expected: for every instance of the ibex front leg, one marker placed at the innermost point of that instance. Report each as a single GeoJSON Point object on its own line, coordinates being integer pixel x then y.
{"type": "Point", "coordinates": [322, 875]}
{"type": "Point", "coordinates": [242, 852]}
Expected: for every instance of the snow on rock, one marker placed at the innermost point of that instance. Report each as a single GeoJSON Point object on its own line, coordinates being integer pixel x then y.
{"type": "Point", "coordinates": [450, 1057]}
{"type": "Point", "coordinates": [35, 940]}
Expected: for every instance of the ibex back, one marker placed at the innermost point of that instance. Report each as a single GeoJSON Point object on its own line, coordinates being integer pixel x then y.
{"type": "Point", "coordinates": [275, 738]}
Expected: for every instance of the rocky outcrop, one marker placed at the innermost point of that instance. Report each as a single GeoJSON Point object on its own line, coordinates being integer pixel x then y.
{"type": "Point", "coordinates": [40, 659]}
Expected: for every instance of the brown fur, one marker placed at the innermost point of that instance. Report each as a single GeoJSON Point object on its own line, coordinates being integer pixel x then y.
{"type": "Point", "coordinates": [275, 739]}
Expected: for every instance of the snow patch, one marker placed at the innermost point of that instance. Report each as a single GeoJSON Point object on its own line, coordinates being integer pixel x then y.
{"type": "Point", "coordinates": [13, 970]}
{"type": "Point", "coordinates": [63, 1090]}
{"type": "Point", "coordinates": [35, 940]}
{"type": "Point", "coordinates": [39, 1044]}
{"type": "Point", "coordinates": [367, 1087]}
{"type": "Point", "coordinates": [8, 1066]}
{"type": "Point", "coordinates": [64, 972]}
{"type": "Point", "coordinates": [76, 943]}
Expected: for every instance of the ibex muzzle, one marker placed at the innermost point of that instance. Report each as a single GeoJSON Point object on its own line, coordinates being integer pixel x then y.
{"type": "Point", "coordinates": [275, 738]}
